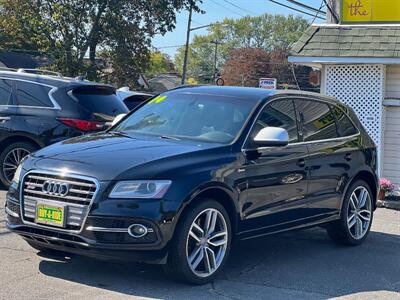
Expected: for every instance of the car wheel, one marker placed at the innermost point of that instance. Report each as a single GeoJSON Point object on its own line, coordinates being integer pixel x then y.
{"type": "Point", "coordinates": [356, 216]}
{"type": "Point", "coordinates": [201, 244]}
{"type": "Point", "coordinates": [10, 158]}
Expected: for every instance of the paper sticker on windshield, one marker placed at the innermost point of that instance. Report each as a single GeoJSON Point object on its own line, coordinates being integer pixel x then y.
{"type": "Point", "coordinates": [158, 99]}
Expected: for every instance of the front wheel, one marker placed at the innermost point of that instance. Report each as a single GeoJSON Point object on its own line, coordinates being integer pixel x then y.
{"type": "Point", "coordinates": [356, 216]}
{"type": "Point", "coordinates": [201, 244]}
{"type": "Point", "coordinates": [11, 157]}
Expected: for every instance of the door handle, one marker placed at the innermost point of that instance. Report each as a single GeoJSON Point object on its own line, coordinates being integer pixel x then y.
{"type": "Point", "coordinates": [4, 119]}
{"type": "Point", "coordinates": [301, 163]}
{"type": "Point", "coordinates": [347, 156]}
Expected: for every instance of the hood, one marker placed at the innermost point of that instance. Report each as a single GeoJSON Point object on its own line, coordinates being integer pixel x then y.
{"type": "Point", "coordinates": [105, 156]}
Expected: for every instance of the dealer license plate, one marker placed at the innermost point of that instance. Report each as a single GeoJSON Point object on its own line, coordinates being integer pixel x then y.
{"type": "Point", "coordinates": [50, 214]}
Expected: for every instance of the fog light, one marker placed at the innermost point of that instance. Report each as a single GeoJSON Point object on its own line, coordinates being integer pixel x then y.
{"type": "Point", "coordinates": [137, 230]}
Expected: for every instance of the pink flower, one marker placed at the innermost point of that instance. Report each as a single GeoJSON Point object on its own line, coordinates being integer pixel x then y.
{"type": "Point", "coordinates": [386, 185]}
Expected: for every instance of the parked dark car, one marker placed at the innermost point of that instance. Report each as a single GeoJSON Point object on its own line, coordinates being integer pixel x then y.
{"type": "Point", "coordinates": [132, 99]}
{"type": "Point", "coordinates": [37, 110]}
{"type": "Point", "coordinates": [193, 169]}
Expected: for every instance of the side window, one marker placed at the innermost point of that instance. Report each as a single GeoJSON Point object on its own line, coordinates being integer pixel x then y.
{"type": "Point", "coordinates": [5, 92]}
{"type": "Point", "coordinates": [281, 114]}
{"type": "Point", "coordinates": [30, 94]}
{"type": "Point", "coordinates": [345, 126]}
{"type": "Point", "coordinates": [317, 120]}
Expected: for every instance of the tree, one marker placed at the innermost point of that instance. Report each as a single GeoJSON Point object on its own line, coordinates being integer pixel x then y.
{"type": "Point", "coordinates": [245, 66]}
{"type": "Point", "coordinates": [266, 32]}
{"type": "Point", "coordinates": [69, 30]}
{"type": "Point", "coordinates": [159, 63]}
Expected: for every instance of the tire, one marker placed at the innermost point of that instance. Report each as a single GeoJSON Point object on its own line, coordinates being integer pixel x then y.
{"type": "Point", "coordinates": [7, 159]}
{"type": "Point", "coordinates": [184, 244]}
{"type": "Point", "coordinates": [344, 231]}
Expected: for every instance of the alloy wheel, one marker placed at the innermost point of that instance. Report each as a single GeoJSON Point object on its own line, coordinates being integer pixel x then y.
{"type": "Point", "coordinates": [207, 242]}
{"type": "Point", "coordinates": [12, 161]}
{"type": "Point", "coordinates": [359, 213]}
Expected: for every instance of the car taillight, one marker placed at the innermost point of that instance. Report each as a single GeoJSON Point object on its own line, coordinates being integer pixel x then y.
{"type": "Point", "coordinates": [83, 125]}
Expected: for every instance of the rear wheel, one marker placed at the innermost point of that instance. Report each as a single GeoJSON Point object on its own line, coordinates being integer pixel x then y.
{"type": "Point", "coordinates": [201, 245]}
{"type": "Point", "coordinates": [10, 159]}
{"type": "Point", "coordinates": [356, 216]}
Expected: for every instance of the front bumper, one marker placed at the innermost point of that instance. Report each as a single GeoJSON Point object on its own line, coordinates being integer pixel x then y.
{"type": "Point", "coordinates": [104, 233]}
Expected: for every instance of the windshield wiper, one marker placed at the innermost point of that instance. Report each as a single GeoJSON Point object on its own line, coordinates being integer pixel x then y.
{"type": "Point", "coordinates": [168, 137]}
{"type": "Point", "coordinates": [120, 133]}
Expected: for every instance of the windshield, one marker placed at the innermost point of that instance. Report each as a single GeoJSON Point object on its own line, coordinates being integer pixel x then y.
{"type": "Point", "coordinates": [211, 118]}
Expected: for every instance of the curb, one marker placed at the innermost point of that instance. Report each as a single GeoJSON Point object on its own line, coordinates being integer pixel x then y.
{"type": "Point", "coordinates": [389, 204]}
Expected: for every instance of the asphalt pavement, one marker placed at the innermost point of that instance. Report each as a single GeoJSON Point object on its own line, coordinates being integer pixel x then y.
{"type": "Point", "coordinates": [296, 265]}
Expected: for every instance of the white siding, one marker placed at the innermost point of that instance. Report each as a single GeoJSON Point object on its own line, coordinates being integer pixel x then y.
{"type": "Point", "coordinates": [393, 81]}
{"type": "Point", "coordinates": [391, 157]}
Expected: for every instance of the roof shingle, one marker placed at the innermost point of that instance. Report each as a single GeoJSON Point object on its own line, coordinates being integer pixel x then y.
{"type": "Point", "coordinates": [348, 41]}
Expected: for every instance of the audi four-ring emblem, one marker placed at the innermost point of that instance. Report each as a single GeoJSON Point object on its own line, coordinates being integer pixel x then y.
{"type": "Point", "coordinates": [55, 188]}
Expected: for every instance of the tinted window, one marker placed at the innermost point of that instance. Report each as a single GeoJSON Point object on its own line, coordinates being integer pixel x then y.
{"type": "Point", "coordinates": [317, 119]}
{"type": "Point", "coordinates": [30, 94]}
{"type": "Point", "coordinates": [99, 99]}
{"type": "Point", "coordinates": [133, 101]}
{"type": "Point", "coordinates": [210, 118]}
{"type": "Point", "coordinates": [5, 92]}
{"type": "Point", "coordinates": [345, 126]}
{"type": "Point", "coordinates": [278, 114]}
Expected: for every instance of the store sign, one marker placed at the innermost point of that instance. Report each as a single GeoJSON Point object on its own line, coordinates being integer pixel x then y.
{"type": "Point", "coordinates": [268, 83]}
{"type": "Point", "coordinates": [370, 11]}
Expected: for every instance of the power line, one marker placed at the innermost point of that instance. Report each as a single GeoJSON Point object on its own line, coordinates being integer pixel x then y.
{"type": "Point", "coordinates": [166, 47]}
{"type": "Point", "coordinates": [295, 9]}
{"type": "Point", "coordinates": [316, 15]}
{"type": "Point", "coordinates": [241, 8]}
{"type": "Point", "coordinates": [219, 4]}
{"type": "Point", "coordinates": [333, 13]}
{"type": "Point", "coordinates": [306, 6]}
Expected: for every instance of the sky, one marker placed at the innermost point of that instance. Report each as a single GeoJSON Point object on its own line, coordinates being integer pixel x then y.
{"type": "Point", "coordinates": [216, 11]}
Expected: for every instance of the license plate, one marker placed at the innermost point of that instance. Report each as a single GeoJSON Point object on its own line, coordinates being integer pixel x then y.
{"type": "Point", "coordinates": [50, 214]}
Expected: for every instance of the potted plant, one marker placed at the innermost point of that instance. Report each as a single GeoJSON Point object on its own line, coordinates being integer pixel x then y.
{"type": "Point", "coordinates": [385, 186]}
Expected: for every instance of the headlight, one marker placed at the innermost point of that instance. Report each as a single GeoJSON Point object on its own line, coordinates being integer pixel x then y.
{"type": "Point", "coordinates": [17, 174]}
{"type": "Point", "coordinates": [154, 189]}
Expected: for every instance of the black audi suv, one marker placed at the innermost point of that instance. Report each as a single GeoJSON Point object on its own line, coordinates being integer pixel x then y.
{"type": "Point", "coordinates": [188, 172]}
{"type": "Point", "coordinates": [41, 108]}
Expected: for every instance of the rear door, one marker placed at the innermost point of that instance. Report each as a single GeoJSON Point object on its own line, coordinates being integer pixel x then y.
{"type": "Point", "coordinates": [330, 155]}
{"type": "Point", "coordinates": [36, 112]}
{"type": "Point", "coordinates": [7, 107]}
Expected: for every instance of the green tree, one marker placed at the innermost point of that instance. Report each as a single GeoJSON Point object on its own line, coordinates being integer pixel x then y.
{"type": "Point", "coordinates": [159, 63]}
{"type": "Point", "coordinates": [69, 31]}
{"type": "Point", "coordinates": [267, 32]}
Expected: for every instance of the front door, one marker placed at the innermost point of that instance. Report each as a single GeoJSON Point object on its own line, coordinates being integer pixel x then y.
{"type": "Point", "coordinates": [277, 176]}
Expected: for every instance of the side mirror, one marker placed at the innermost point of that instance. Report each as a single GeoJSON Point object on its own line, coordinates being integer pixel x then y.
{"type": "Point", "coordinates": [117, 119]}
{"type": "Point", "coordinates": [271, 137]}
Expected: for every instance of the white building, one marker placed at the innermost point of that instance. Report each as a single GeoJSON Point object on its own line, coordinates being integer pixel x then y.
{"type": "Point", "coordinates": [360, 66]}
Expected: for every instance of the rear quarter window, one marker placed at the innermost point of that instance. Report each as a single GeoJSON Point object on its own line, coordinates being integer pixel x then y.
{"type": "Point", "coordinates": [33, 94]}
{"type": "Point", "coordinates": [100, 100]}
{"type": "Point", "coordinates": [344, 125]}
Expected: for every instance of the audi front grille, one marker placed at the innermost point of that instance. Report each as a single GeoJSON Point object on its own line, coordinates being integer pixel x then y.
{"type": "Point", "coordinates": [76, 194]}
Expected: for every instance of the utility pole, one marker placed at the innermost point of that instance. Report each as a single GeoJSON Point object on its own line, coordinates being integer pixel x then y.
{"type": "Point", "coordinates": [216, 43]}
{"type": "Point", "coordinates": [187, 46]}
{"type": "Point", "coordinates": [333, 11]}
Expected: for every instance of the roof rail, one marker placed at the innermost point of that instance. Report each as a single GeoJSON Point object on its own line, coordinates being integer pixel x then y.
{"type": "Point", "coordinates": [8, 69]}
{"type": "Point", "coordinates": [39, 71]}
